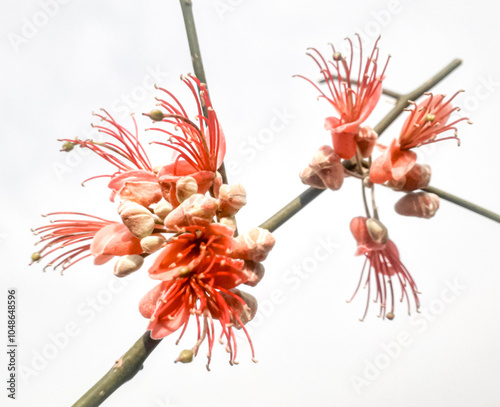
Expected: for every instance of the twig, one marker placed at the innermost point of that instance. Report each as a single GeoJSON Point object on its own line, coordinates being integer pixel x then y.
{"type": "Point", "coordinates": [194, 48]}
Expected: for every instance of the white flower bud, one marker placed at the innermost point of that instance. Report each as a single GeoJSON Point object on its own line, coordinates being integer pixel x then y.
{"type": "Point", "coordinates": [185, 187]}
{"type": "Point", "coordinates": [138, 219]}
{"type": "Point", "coordinates": [153, 243]}
{"type": "Point", "coordinates": [126, 265]}
{"type": "Point", "coordinates": [231, 199]}
{"type": "Point", "coordinates": [163, 209]}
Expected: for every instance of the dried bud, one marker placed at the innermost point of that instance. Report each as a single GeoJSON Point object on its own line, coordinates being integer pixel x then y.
{"type": "Point", "coordinates": [229, 221]}
{"type": "Point", "coordinates": [327, 165]}
{"type": "Point", "coordinates": [417, 178]}
{"type": "Point", "coordinates": [185, 187]}
{"type": "Point", "coordinates": [128, 264]}
{"type": "Point", "coordinates": [67, 146]}
{"type": "Point", "coordinates": [163, 209]}
{"type": "Point", "coordinates": [245, 313]}
{"type": "Point", "coordinates": [254, 245]}
{"type": "Point", "coordinates": [138, 219]}
{"type": "Point", "coordinates": [196, 210]}
{"type": "Point", "coordinates": [156, 115]}
{"type": "Point", "coordinates": [366, 140]}
{"type": "Point", "coordinates": [255, 272]}
{"type": "Point", "coordinates": [309, 177]}
{"type": "Point", "coordinates": [186, 356]}
{"type": "Point", "coordinates": [419, 204]}
{"type": "Point", "coordinates": [377, 231]}
{"type": "Point", "coordinates": [153, 243]}
{"type": "Point", "coordinates": [231, 199]}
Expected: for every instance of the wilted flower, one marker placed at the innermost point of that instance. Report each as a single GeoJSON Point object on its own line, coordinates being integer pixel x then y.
{"type": "Point", "coordinates": [352, 92]}
{"type": "Point", "coordinates": [382, 266]}
{"type": "Point", "coordinates": [426, 121]}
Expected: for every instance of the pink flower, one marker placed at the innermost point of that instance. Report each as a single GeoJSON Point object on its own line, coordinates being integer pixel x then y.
{"type": "Point", "coordinates": [199, 149]}
{"type": "Point", "coordinates": [426, 121]}
{"type": "Point", "coordinates": [382, 266]}
{"type": "Point", "coordinates": [353, 93]}
{"type": "Point", "coordinates": [198, 278]}
{"type": "Point", "coordinates": [135, 179]}
{"type": "Point", "coordinates": [94, 236]}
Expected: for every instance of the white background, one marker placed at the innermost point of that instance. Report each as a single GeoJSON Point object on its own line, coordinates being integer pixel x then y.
{"type": "Point", "coordinates": [310, 344]}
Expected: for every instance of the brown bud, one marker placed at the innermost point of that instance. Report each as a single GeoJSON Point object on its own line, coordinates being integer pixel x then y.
{"type": "Point", "coordinates": [138, 219]}
{"type": "Point", "coordinates": [419, 204]}
{"type": "Point", "coordinates": [255, 272]}
{"type": "Point", "coordinates": [377, 231]}
{"type": "Point", "coordinates": [366, 140]}
{"type": "Point", "coordinates": [126, 265]}
{"type": "Point", "coordinates": [417, 178]}
{"type": "Point", "coordinates": [327, 165]}
{"type": "Point", "coordinates": [309, 177]}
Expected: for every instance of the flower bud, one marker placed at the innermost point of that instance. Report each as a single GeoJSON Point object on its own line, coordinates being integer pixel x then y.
{"type": "Point", "coordinates": [126, 265]}
{"type": "Point", "coordinates": [326, 165]}
{"type": "Point", "coordinates": [186, 356]}
{"type": "Point", "coordinates": [137, 218]}
{"type": "Point", "coordinates": [255, 272]}
{"type": "Point", "coordinates": [185, 187]}
{"type": "Point", "coordinates": [229, 221]}
{"type": "Point", "coordinates": [163, 209]}
{"type": "Point", "coordinates": [254, 245]}
{"type": "Point", "coordinates": [153, 243]}
{"type": "Point", "coordinates": [377, 231]}
{"type": "Point", "coordinates": [417, 178]}
{"type": "Point", "coordinates": [366, 140]}
{"type": "Point", "coordinates": [419, 204]}
{"type": "Point", "coordinates": [231, 199]}
{"type": "Point", "coordinates": [196, 210]}
{"type": "Point", "coordinates": [309, 177]}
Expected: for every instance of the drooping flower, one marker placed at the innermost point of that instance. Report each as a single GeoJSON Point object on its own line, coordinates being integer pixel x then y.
{"type": "Point", "coordinates": [198, 278]}
{"type": "Point", "coordinates": [81, 238]}
{"type": "Point", "coordinates": [199, 149]}
{"type": "Point", "coordinates": [426, 121]}
{"type": "Point", "coordinates": [352, 92]}
{"type": "Point", "coordinates": [134, 179]}
{"type": "Point", "coordinates": [382, 267]}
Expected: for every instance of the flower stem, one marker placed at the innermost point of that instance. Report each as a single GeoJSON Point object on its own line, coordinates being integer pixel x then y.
{"type": "Point", "coordinates": [131, 362]}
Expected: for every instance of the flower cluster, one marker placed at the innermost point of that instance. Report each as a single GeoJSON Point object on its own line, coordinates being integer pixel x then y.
{"type": "Point", "coordinates": [354, 92]}
{"type": "Point", "coordinates": [183, 212]}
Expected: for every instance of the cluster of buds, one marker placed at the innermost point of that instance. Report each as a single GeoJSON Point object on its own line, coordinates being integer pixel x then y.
{"type": "Point", "coordinates": [181, 211]}
{"type": "Point", "coordinates": [354, 92]}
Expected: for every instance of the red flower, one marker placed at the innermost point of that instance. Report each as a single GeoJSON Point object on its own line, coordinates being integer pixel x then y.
{"type": "Point", "coordinates": [135, 179]}
{"type": "Point", "coordinates": [197, 278]}
{"type": "Point", "coordinates": [354, 98]}
{"type": "Point", "coordinates": [426, 121]}
{"type": "Point", "coordinates": [93, 236]}
{"type": "Point", "coordinates": [382, 267]}
{"type": "Point", "coordinates": [199, 150]}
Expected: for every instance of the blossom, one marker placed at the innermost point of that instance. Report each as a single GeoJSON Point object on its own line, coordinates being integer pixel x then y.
{"type": "Point", "coordinates": [134, 179]}
{"type": "Point", "coordinates": [199, 150]}
{"type": "Point", "coordinates": [382, 266]}
{"type": "Point", "coordinates": [426, 121]}
{"type": "Point", "coordinates": [198, 277]}
{"type": "Point", "coordinates": [91, 235]}
{"type": "Point", "coordinates": [352, 92]}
